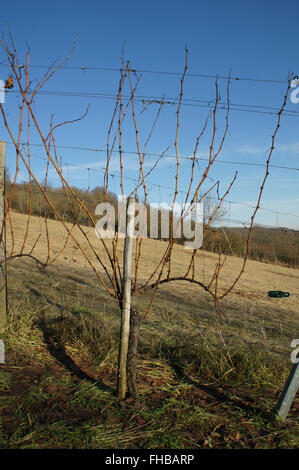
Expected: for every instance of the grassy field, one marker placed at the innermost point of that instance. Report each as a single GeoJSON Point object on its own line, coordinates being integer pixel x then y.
{"type": "Point", "coordinates": [204, 381]}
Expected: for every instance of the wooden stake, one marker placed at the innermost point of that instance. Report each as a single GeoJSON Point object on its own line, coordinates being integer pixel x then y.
{"type": "Point", "coordinates": [126, 300]}
{"type": "Point", "coordinates": [3, 293]}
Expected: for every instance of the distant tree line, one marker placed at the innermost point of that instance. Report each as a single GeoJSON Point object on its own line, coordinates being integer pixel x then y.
{"type": "Point", "coordinates": [274, 245]}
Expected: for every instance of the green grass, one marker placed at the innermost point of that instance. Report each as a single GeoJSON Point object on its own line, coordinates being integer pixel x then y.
{"type": "Point", "coordinates": [201, 383]}
{"type": "Point", "coordinates": [5, 380]}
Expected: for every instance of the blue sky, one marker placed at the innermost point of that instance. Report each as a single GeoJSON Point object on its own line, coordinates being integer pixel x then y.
{"type": "Point", "coordinates": [256, 40]}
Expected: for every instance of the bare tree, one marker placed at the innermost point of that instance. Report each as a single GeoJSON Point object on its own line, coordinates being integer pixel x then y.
{"type": "Point", "coordinates": [108, 268]}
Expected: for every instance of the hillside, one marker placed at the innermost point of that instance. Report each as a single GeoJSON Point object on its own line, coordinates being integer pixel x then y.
{"type": "Point", "coordinates": [255, 283]}
{"type": "Point", "coordinates": [274, 245]}
{"type": "Point", "coordinates": [203, 381]}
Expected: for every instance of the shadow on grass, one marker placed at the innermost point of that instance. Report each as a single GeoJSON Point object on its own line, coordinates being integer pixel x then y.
{"type": "Point", "coordinates": [57, 350]}
{"type": "Point", "coordinates": [42, 296]}
{"type": "Point", "coordinates": [217, 395]}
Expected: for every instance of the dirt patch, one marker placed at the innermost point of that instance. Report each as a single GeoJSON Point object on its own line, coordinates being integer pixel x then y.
{"type": "Point", "coordinates": [54, 406]}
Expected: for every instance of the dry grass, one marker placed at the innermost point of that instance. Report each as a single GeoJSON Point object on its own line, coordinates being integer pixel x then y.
{"type": "Point", "coordinates": [252, 316]}
{"type": "Point", "coordinates": [203, 381]}
{"type": "Point", "coordinates": [256, 281]}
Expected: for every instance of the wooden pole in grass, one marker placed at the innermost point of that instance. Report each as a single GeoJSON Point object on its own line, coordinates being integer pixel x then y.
{"type": "Point", "coordinates": [289, 392]}
{"type": "Point", "coordinates": [126, 300]}
{"type": "Point", "coordinates": [3, 287]}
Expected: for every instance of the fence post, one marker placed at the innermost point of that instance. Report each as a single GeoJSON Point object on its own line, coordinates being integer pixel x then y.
{"type": "Point", "coordinates": [3, 294]}
{"type": "Point", "coordinates": [126, 300]}
{"type": "Point", "coordinates": [289, 392]}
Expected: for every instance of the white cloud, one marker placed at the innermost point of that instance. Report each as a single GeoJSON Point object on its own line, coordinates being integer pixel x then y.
{"type": "Point", "coordinates": [289, 148]}
{"type": "Point", "coordinates": [251, 149]}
